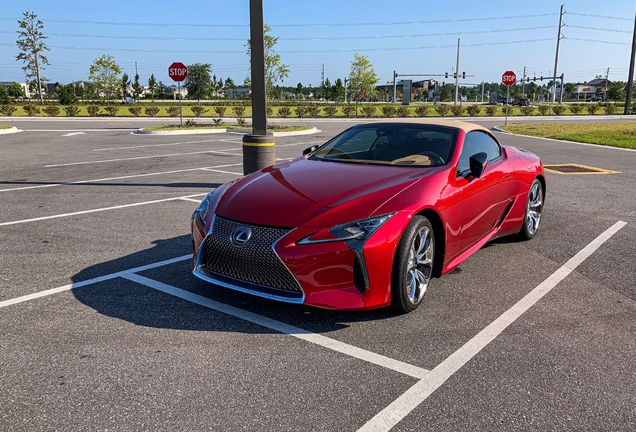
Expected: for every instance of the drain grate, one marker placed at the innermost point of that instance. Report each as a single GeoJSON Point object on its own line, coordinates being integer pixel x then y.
{"type": "Point", "coordinates": [576, 169]}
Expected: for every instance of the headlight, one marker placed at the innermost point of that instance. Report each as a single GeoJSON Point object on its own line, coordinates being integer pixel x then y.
{"type": "Point", "coordinates": [210, 201]}
{"type": "Point", "coordinates": [202, 210]}
{"type": "Point", "coordinates": [357, 230]}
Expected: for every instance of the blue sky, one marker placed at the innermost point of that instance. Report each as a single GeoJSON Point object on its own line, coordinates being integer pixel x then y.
{"type": "Point", "coordinates": [411, 37]}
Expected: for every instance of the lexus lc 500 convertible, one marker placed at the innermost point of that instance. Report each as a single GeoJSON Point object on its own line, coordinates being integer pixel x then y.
{"type": "Point", "coordinates": [367, 219]}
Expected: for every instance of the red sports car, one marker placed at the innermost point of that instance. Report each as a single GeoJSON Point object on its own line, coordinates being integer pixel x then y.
{"type": "Point", "coordinates": [368, 218]}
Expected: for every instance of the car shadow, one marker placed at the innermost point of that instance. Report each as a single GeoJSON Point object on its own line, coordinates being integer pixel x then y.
{"type": "Point", "coordinates": [141, 305]}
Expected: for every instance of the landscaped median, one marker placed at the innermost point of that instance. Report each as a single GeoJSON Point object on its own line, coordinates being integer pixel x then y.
{"type": "Point", "coordinates": [191, 127]}
{"type": "Point", "coordinates": [7, 129]}
{"type": "Point", "coordinates": [609, 134]}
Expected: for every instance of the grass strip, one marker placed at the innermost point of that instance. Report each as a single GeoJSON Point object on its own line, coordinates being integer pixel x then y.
{"type": "Point", "coordinates": [609, 134]}
{"type": "Point", "coordinates": [5, 126]}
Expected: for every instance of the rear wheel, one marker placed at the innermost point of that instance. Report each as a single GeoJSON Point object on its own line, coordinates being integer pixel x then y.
{"type": "Point", "coordinates": [534, 207]}
{"type": "Point", "coordinates": [413, 266]}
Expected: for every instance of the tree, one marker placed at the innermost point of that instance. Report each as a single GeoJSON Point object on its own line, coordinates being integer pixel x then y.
{"type": "Point", "coordinates": [4, 97]}
{"type": "Point", "coordinates": [15, 90]}
{"type": "Point", "coordinates": [616, 91]}
{"type": "Point", "coordinates": [216, 87]}
{"type": "Point", "coordinates": [299, 90]}
{"type": "Point", "coordinates": [275, 71]}
{"type": "Point", "coordinates": [198, 81]}
{"type": "Point", "coordinates": [152, 86]}
{"type": "Point", "coordinates": [31, 44]}
{"type": "Point", "coordinates": [136, 87]}
{"type": "Point", "coordinates": [65, 94]}
{"type": "Point", "coordinates": [362, 78]}
{"type": "Point", "coordinates": [338, 91]}
{"type": "Point", "coordinates": [125, 82]}
{"type": "Point", "coordinates": [104, 73]}
{"type": "Point", "coordinates": [325, 89]}
{"type": "Point", "coordinates": [229, 86]}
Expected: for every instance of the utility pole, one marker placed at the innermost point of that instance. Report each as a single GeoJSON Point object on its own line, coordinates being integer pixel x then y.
{"type": "Point", "coordinates": [136, 73]}
{"type": "Point", "coordinates": [258, 148]}
{"type": "Point", "coordinates": [394, 85]}
{"type": "Point", "coordinates": [482, 92]}
{"type": "Point", "coordinates": [630, 79]}
{"type": "Point", "coordinates": [523, 83]}
{"type": "Point", "coordinates": [457, 74]}
{"type": "Point", "coordinates": [556, 58]}
{"type": "Point", "coordinates": [322, 76]}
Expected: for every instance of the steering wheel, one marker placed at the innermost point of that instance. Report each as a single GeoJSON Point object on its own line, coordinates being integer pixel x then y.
{"type": "Point", "coordinates": [437, 159]}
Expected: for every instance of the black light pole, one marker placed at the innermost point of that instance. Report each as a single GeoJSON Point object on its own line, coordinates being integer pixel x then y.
{"type": "Point", "coordinates": [630, 79]}
{"type": "Point", "coordinates": [258, 148]}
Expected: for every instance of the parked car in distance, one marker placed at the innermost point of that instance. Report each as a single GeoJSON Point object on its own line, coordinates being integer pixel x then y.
{"type": "Point", "coordinates": [521, 102]}
{"type": "Point", "coordinates": [595, 99]}
{"type": "Point", "coordinates": [503, 100]}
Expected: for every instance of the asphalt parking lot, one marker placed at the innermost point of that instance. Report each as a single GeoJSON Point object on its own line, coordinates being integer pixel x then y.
{"type": "Point", "coordinates": [104, 327]}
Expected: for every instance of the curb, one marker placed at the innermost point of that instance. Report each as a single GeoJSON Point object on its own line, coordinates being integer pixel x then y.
{"type": "Point", "coordinates": [311, 131]}
{"type": "Point", "coordinates": [11, 130]}
{"type": "Point", "coordinates": [142, 131]}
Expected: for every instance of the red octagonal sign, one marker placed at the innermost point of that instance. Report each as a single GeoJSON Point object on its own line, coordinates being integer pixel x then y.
{"type": "Point", "coordinates": [178, 71]}
{"type": "Point", "coordinates": [509, 78]}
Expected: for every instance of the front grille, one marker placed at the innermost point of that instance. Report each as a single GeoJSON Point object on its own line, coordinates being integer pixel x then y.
{"type": "Point", "coordinates": [254, 262]}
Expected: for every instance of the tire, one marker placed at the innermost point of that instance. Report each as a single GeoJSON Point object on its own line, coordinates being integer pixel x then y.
{"type": "Point", "coordinates": [534, 207]}
{"type": "Point", "coordinates": [413, 265]}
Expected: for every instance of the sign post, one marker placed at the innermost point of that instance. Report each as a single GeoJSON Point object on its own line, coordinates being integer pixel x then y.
{"type": "Point", "coordinates": [508, 79]}
{"type": "Point", "coordinates": [178, 72]}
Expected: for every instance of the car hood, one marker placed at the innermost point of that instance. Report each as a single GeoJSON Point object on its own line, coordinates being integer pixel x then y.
{"type": "Point", "coordinates": [313, 193]}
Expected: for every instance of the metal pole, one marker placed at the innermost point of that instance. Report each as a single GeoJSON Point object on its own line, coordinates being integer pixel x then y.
{"type": "Point", "coordinates": [394, 85]}
{"type": "Point", "coordinates": [507, 99]}
{"type": "Point", "coordinates": [180, 109]}
{"type": "Point", "coordinates": [457, 74]}
{"type": "Point", "coordinates": [258, 148]}
{"type": "Point", "coordinates": [556, 58]}
{"type": "Point", "coordinates": [523, 83]}
{"type": "Point", "coordinates": [482, 92]}
{"type": "Point", "coordinates": [630, 79]}
{"type": "Point", "coordinates": [562, 87]}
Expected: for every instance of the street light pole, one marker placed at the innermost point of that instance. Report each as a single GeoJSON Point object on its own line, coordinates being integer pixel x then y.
{"type": "Point", "coordinates": [630, 79]}
{"type": "Point", "coordinates": [258, 148]}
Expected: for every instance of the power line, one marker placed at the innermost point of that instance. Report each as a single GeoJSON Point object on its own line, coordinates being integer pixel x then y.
{"type": "Point", "coordinates": [597, 28]}
{"type": "Point", "coordinates": [597, 41]}
{"type": "Point", "coordinates": [600, 16]}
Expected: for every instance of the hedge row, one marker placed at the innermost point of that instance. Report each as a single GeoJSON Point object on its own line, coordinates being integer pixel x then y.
{"type": "Point", "coordinates": [307, 111]}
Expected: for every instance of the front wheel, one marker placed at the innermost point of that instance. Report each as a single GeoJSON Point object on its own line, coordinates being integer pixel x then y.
{"type": "Point", "coordinates": [534, 207]}
{"type": "Point", "coordinates": [413, 265]}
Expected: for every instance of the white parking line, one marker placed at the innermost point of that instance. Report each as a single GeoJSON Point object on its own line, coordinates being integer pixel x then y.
{"type": "Point", "coordinates": [221, 171]}
{"type": "Point", "coordinates": [153, 145]}
{"type": "Point", "coordinates": [97, 210]}
{"type": "Point", "coordinates": [417, 394]}
{"type": "Point", "coordinates": [132, 158]}
{"type": "Point", "coordinates": [281, 327]}
{"type": "Point", "coordinates": [80, 182]}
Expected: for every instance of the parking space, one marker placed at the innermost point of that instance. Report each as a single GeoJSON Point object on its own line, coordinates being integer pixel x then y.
{"type": "Point", "coordinates": [104, 327]}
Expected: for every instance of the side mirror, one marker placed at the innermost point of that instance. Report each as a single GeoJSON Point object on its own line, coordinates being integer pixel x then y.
{"type": "Point", "coordinates": [311, 149]}
{"type": "Point", "coordinates": [478, 164]}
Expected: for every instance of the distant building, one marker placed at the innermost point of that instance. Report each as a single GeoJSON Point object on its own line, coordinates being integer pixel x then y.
{"type": "Point", "coordinates": [25, 87]}
{"type": "Point", "coordinates": [586, 91]}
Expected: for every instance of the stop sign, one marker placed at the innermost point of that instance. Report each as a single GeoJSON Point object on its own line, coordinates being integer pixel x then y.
{"type": "Point", "coordinates": [509, 78]}
{"type": "Point", "coordinates": [178, 71]}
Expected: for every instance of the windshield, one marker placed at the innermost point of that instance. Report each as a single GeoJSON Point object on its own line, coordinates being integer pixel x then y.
{"type": "Point", "coordinates": [391, 144]}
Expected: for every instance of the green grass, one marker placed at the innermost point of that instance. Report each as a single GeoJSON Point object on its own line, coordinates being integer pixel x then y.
{"type": "Point", "coordinates": [5, 127]}
{"type": "Point", "coordinates": [270, 128]}
{"type": "Point", "coordinates": [609, 134]}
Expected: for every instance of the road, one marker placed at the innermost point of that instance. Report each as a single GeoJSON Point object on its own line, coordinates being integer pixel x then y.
{"type": "Point", "coordinates": [104, 328]}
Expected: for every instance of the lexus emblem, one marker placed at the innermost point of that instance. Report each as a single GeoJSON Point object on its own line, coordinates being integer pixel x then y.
{"type": "Point", "coordinates": [240, 236]}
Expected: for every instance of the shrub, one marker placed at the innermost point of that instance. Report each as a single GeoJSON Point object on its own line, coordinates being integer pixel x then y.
{"type": "Point", "coordinates": [544, 109]}
{"type": "Point", "coordinates": [633, 108]}
{"type": "Point", "coordinates": [111, 110]}
{"type": "Point", "coordinates": [473, 110]}
{"type": "Point", "coordinates": [239, 111]}
{"type": "Point", "coordinates": [422, 110]}
{"type": "Point", "coordinates": [241, 121]}
{"type": "Point", "coordinates": [458, 110]}
{"type": "Point", "coordinates": [558, 109]}
{"type": "Point", "coordinates": [330, 110]}
{"type": "Point", "coordinates": [93, 110]}
{"type": "Point", "coordinates": [190, 123]}
{"type": "Point", "coordinates": [284, 111]}
{"type": "Point", "coordinates": [527, 110]}
{"type": "Point", "coordinates": [198, 110]}
{"type": "Point", "coordinates": [71, 110]}
{"type": "Point", "coordinates": [301, 111]}
{"type": "Point", "coordinates": [576, 109]}
{"type": "Point", "coordinates": [403, 111]}
{"type": "Point", "coordinates": [349, 110]}
{"type": "Point", "coordinates": [269, 110]}
{"type": "Point", "coordinates": [388, 111]}
{"type": "Point", "coordinates": [31, 109]}
{"type": "Point", "coordinates": [592, 108]}
{"type": "Point", "coordinates": [610, 108]}
{"type": "Point", "coordinates": [442, 109]}
{"type": "Point", "coordinates": [220, 111]}
{"type": "Point", "coordinates": [135, 110]}
{"type": "Point", "coordinates": [491, 110]}
{"type": "Point", "coordinates": [313, 111]}
{"type": "Point", "coordinates": [151, 111]}
{"type": "Point", "coordinates": [51, 110]}
{"type": "Point", "coordinates": [172, 111]}
{"type": "Point", "coordinates": [8, 110]}
{"type": "Point", "coordinates": [367, 110]}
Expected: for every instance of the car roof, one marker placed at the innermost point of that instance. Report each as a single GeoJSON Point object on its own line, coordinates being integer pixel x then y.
{"type": "Point", "coordinates": [457, 124]}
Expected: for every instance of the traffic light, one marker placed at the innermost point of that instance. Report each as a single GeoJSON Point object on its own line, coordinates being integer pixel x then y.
{"type": "Point", "coordinates": [534, 79]}
{"type": "Point", "coordinates": [445, 74]}
{"type": "Point", "coordinates": [443, 83]}
{"type": "Point", "coordinates": [541, 77]}
{"type": "Point", "coordinates": [463, 75]}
